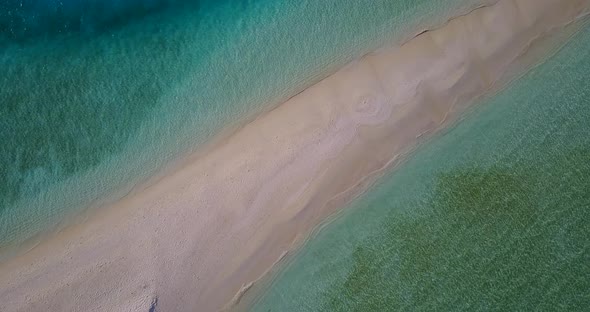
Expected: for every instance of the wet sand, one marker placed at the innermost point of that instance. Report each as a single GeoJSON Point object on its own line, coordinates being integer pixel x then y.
{"type": "Point", "coordinates": [202, 234]}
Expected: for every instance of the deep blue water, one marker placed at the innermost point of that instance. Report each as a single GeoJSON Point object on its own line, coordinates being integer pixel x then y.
{"type": "Point", "coordinates": [22, 20]}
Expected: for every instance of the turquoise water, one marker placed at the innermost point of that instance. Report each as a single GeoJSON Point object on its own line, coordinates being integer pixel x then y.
{"type": "Point", "coordinates": [98, 95]}
{"type": "Point", "coordinates": [493, 214]}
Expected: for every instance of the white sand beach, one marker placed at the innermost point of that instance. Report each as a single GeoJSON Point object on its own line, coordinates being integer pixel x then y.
{"type": "Point", "coordinates": [200, 235]}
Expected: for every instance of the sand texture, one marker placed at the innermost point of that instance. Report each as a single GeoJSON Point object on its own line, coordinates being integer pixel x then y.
{"type": "Point", "coordinates": [202, 234]}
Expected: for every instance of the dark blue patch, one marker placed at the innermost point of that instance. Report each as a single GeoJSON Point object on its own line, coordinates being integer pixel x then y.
{"type": "Point", "coordinates": [153, 305]}
{"type": "Point", "coordinates": [26, 19]}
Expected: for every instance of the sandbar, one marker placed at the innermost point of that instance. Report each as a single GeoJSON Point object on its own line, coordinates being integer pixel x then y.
{"type": "Point", "coordinates": [199, 237]}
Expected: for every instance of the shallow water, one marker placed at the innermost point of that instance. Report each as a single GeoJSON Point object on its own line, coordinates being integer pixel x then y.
{"type": "Point", "coordinates": [492, 214]}
{"type": "Point", "coordinates": [98, 95]}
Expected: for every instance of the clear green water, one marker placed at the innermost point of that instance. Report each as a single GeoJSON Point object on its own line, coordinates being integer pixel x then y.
{"type": "Point", "coordinates": [494, 214]}
{"type": "Point", "coordinates": [98, 95]}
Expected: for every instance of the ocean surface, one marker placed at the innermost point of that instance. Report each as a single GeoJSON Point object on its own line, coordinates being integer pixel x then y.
{"type": "Point", "coordinates": [493, 214]}
{"type": "Point", "coordinates": [96, 96]}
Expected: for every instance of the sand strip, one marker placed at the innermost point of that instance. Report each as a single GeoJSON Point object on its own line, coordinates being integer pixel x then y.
{"type": "Point", "coordinates": [198, 237]}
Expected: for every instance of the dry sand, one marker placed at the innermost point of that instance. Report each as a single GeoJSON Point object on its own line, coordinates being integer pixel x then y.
{"type": "Point", "coordinates": [200, 235]}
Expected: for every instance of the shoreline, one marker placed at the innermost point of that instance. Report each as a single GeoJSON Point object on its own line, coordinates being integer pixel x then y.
{"type": "Point", "coordinates": [67, 210]}
{"type": "Point", "coordinates": [240, 206]}
{"type": "Point", "coordinates": [254, 290]}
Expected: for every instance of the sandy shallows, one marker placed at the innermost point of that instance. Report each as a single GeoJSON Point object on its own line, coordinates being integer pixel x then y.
{"type": "Point", "coordinates": [201, 234]}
